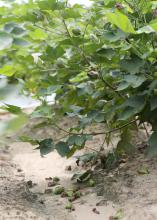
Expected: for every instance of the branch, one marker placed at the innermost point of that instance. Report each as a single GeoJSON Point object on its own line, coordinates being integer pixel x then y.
{"type": "Point", "coordinates": [45, 29]}
{"type": "Point", "coordinates": [58, 139]}
{"type": "Point", "coordinates": [65, 25]}
{"type": "Point", "coordinates": [97, 133]}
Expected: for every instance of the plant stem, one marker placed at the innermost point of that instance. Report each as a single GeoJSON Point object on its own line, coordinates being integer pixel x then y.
{"type": "Point", "coordinates": [45, 29]}
{"type": "Point", "coordinates": [97, 133]}
{"type": "Point", "coordinates": [65, 25]}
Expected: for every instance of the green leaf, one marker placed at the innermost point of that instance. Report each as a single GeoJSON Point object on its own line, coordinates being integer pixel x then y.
{"type": "Point", "coordinates": [46, 146]}
{"type": "Point", "coordinates": [9, 27]}
{"type": "Point", "coordinates": [21, 42]}
{"type": "Point", "coordinates": [127, 113]}
{"type": "Point", "coordinates": [43, 111]}
{"type": "Point", "coordinates": [77, 140]}
{"type": "Point", "coordinates": [121, 21]}
{"type": "Point", "coordinates": [71, 140]}
{"type": "Point", "coordinates": [146, 29]}
{"type": "Point", "coordinates": [54, 52]}
{"type": "Point", "coordinates": [12, 109]}
{"type": "Point", "coordinates": [5, 40]}
{"type": "Point", "coordinates": [134, 81]}
{"type": "Point", "coordinates": [79, 77]}
{"type": "Point", "coordinates": [7, 70]}
{"type": "Point", "coordinates": [62, 148]}
{"type": "Point", "coordinates": [153, 24]}
{"type": "Point", "coordinates": [106, 52]}
{"type": "Point", "coordinates": [132, 65]}
{"type": "Point", "coordinates": [71, 152]}
{"type": "Point", "coordinates": [48, 5]}
{"type": "Point", "coordinates": [152, 150]}
{"type": "Point", "coordinates": [80, 141]}
{"type": "Point", "coordinates": [18, 31]}
{"type": "Point", "coordinates": [137, 102]}
{"type": "Point", "coordinates": [71, 13]}
{"type": "Point", "coordinates": [100, 117]}
{"type": "Point", "coordinates": [122, 86]}
{"type": "Point", "coordinates": [38, 34]}
{"type": "Point", "coordinates": [114, 36]}
{"type": "Point", "coordinates": [133, 105]}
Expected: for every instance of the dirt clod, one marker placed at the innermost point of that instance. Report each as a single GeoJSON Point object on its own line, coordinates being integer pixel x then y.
{"type": "Point", "coordinates": [95, 211]}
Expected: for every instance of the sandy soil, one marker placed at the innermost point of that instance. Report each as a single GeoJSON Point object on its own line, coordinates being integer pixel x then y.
{"type": "Point", "coordinates": [19, 202]}
{"type": "Point", "coordinates": [128, 192]}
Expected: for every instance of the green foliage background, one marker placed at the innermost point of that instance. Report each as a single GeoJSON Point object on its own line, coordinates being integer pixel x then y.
{"type": "Point", "coordinates": [99, 60]}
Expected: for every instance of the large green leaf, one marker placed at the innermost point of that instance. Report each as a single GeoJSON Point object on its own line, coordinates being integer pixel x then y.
{"type": "Point", "coordinates": [123, 85]}
{"type": "Point", "coordinates": [115, 35]}
{"type": "Point", "coordinates": [46, 146]}
{"type": "Point", "coordinates": [127, 113]}
{"type": "Point", "coordinates": [132, 65]}
{"type": "Point", "coordinates": [62, 148]}
{"type": "Point", "coordinates": [137, 101]}
{"type": "Point", "coordinates": [77, 140]}
{"type": "Point", "coordinates": [133, 105]}
{"type": "Point", "coordinates": [106, 52]}
{"type": "Point", "coordinates": [131, 80]}
{"type": "Point", "coordinates": [134, 80]}
{"type": "Point", "coordinates": [121, 21]}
